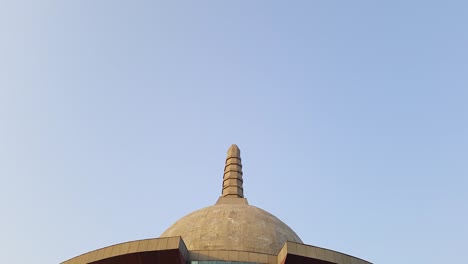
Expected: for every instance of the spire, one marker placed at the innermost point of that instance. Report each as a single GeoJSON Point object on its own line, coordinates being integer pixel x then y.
{"type": "Point", "coordinates": [232, 180]}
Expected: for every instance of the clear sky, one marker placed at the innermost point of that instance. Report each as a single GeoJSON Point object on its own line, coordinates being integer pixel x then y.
{"type": "Point", "coordinates": [352, 119]}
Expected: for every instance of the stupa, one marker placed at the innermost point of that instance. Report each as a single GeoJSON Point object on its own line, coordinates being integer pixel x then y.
{"type": "Point", "coordinates": [230, 231]}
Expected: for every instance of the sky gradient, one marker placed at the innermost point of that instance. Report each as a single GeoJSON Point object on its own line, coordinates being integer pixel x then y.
{"type": "Point", "coordinates": [351, 117]}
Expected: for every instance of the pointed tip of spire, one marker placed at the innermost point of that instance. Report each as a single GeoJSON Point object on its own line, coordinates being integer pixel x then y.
{"type": "Point", "coordinates": [234, 146]}
{"type": "Point", "coordinates": [233, 151]}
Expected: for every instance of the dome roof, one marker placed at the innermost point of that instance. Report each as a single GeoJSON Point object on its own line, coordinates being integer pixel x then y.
{"type": "Point", "coordinates": [232, 224]}
{"type": "Point", "coordinates": [239, 227]}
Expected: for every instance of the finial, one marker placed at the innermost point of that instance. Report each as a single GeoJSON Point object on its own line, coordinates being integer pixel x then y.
{"type": "Point", "coordinates": [232, 180]}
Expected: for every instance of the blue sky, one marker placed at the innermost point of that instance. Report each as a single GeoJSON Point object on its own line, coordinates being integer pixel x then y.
{"type": "Point", "coordinates": [352, 119]}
